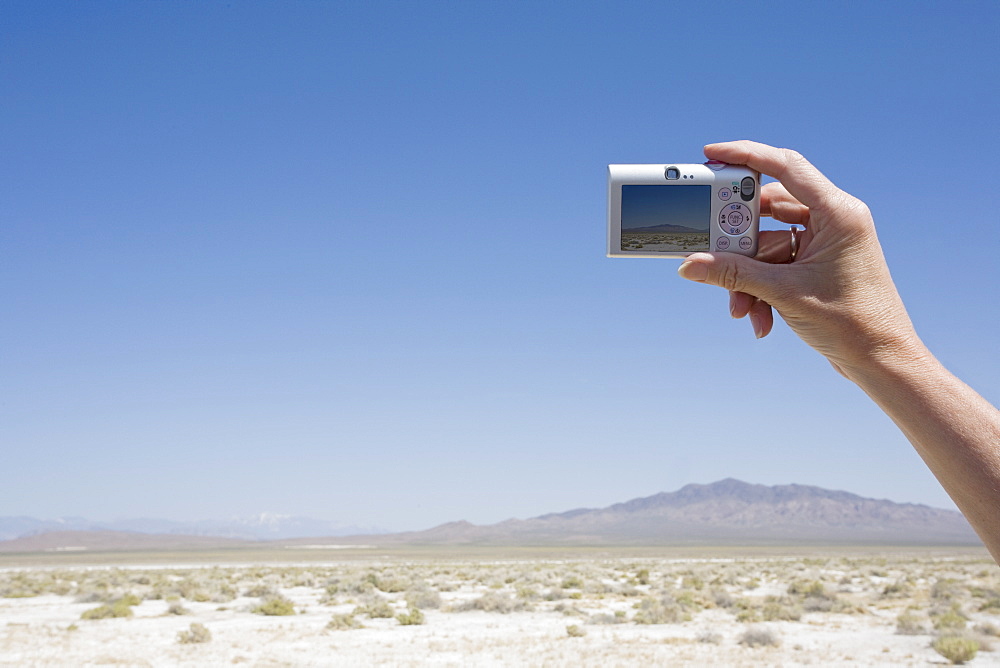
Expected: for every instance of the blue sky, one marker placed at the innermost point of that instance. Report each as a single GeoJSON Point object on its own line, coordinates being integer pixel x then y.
{"type": "Point", "coordinates": [346, 260]}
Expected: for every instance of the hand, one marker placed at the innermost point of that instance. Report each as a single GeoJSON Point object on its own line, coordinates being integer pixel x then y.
{"type": "Point", "coordinates": [837, 295]}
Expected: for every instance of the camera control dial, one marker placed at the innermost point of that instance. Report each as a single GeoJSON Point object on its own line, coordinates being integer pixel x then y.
{"type": "Point", "coordinates": [735, 219]}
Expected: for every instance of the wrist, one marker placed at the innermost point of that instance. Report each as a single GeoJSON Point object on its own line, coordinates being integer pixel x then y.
{"type": "Point", "coordinates": [889, 362]}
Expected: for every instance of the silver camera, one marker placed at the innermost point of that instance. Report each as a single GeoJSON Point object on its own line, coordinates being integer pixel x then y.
{"type": "Point", "coordinates": [669, 210]}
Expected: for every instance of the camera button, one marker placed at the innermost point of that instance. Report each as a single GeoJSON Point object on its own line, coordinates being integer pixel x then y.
{"type": "Point", "coordinates": [725, 194]}
{"type": "Point", "coordinates": [722, 243]}
{"type": "Point", "coordinates": [735, 219]}
{"type": "Point", "coordinates": [748, 188]}
{"type": "Point", "coordinates": [746, 243]}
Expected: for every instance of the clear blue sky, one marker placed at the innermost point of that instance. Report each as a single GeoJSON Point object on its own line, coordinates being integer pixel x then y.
{"type": "Point", "coordinates": [346, 259]}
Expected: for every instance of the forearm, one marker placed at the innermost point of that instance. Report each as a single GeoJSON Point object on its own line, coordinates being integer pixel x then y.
{"type": "Point", "coordinates": [955, 431]}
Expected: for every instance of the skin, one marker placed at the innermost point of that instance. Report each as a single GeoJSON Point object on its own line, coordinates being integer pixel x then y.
{"type": "Point", "coordinates": [839, 297]}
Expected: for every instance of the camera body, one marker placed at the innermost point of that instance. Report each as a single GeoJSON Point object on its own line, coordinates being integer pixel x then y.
{"type": "Point", "coordinates": [666, 210]}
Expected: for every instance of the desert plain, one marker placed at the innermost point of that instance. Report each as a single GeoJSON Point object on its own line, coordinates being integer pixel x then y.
{"type": "Point", "coordinates": [442, 607]}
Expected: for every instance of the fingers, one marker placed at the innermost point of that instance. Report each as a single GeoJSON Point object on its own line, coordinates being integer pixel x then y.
{"type": "Point", "coordinates": [761, 315]}
{"type": "Point", "coordinates": [806, 183]}
{"type": "Point", "coordinates": [733, 272]}
{"type": "Point", "coordinates": [739, 304]}
{"type": "Point", "coordinates": [761, 318]}
{"type": "Point", "coordinates": [776, 202]}
{"type": "Point", "coordinates": [775, 247]}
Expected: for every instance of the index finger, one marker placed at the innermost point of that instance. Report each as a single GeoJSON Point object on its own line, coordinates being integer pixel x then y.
{"type": "Point", "coordinates": [806, 183]}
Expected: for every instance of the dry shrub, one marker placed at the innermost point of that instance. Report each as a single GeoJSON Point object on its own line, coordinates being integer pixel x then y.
{"type": "Point", "coordinates": [345, 622]}
{"type": "Point", "coordinates": [197, 633]}
{"type": "Point", "coordinates": [276, 606]}
{"type": "Point", "coordinates": [956, 649]}
{"type": "Point", "coordinates": [758, 637]}
{"type": "Point", "coordinates": [658, 611]}
{"type": "Point", "coordinates": [908, 624]}
{"type": "Point", "coordinates": [412, 617]}
{"type": "Point", "coordinates": [493, 602]}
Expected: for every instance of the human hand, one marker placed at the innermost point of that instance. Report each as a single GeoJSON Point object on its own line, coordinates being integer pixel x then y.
{"type": "Point", "coordinates": [837, 294]}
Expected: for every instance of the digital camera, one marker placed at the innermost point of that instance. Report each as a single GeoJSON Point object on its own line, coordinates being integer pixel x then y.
{"type": "Point", "coordinates": [669, 210]}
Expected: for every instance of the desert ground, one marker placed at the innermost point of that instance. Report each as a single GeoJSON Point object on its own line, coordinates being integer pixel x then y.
{"type": "Point", "coordinates": [869, 608]}
{"type": "Point", "coordinates": [663, 242]}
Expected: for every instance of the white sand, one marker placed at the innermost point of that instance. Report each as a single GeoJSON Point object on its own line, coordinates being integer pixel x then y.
{"type": "Point", "coordinates": [47, 629]}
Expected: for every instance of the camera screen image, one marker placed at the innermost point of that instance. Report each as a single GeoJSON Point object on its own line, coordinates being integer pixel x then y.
{"type": "Point", "coordinates": [666, 218]}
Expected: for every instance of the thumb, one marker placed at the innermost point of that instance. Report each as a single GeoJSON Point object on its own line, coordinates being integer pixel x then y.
{"type": "Point", "coordinates": [732, 271]}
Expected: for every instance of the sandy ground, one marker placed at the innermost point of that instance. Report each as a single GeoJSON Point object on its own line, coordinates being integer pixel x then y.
{"type": "Point", "coordinates": [517, 613]}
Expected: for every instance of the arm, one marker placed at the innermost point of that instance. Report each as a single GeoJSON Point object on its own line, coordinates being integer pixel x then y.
{"type": "Point", "coordinates": [838, 296]}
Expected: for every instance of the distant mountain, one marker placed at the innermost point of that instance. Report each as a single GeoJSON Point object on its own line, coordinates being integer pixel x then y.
{"type": "Point", "coordinates": [662, 229]}
{"type": "Point", "coordinates": [725, 512]}
{"type": "Point", "coordinates": [265, 526]}
{"type": "Point", "coordinates": [113, 541]}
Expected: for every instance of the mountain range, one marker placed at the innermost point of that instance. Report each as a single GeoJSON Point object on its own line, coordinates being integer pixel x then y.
{"type": "Point", "coordinates": [725, 512]}
{"type": "Point", "coordinates": [263, 526]}
{"type": "Point", "coordinates": [664, 228]}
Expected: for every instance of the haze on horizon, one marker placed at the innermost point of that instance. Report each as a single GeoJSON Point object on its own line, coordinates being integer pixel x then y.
{"type": "Point", "coordinates": [346, 260]}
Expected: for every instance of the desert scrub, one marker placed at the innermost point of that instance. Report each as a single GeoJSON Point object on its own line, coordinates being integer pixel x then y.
{"type": "Point", "coordinates": [275, 606]}
{"type": "Point", "coordinates": [780, 609]}
{"type": "Point", "coordinates": [344, 622]}
{"type": "Point", "coordinates": [177, 609]}
{"type": "Point", "coordinates": [574, 631]}
{"type": "Point", "coordinates": [956, 649]}
{"type": "Point", "coordinates": [196, 633]}
{"type": "Point", "coordinates": [950, 620]}
{"type": "Point", "coordinates": [897, 589]}
{"type": "Point", "coordinates": [412, 617]}
{"type": "Point", "coordinates": [619, 617]}
{"type": "Point", "coordinates": [946, 589]}
{"type": "Point", "coordinates": [261, 591]}
{"type": "Point", "coordinates": [120, 608]}
{"type": "Point", "coordinates": [492, 602]}
{"type": "Point", "coordinates": [423, 597]}
{"type": "Point", "coordinates": [709, 637]}
{"type": "Point", "coordinates": [389, 585]}
{"type": "Point", "coordinates": [908, 624]}
{"type": "Point", "coordinates": [757, 637]}
{"type": "Point", "coordinates": [658, 611]}
{"type": "Point", "coordinates": [375, 607]}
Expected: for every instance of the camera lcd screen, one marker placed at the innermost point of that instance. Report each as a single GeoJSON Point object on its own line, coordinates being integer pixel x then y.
{"type": "Point", "coordinates": [666, 218]}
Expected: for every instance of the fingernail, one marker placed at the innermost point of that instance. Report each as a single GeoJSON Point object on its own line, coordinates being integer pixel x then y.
{"type": "Point", "coordinates": [693, 271]}
{"type": "Point", "coordinates": [755, 323]}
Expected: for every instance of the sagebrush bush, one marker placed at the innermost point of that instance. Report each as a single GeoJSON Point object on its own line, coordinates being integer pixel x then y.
{"type": "Point", "coordinates": [197, 633]}
{"type": "Point", "coordinates": [780, 609]}
{"type": "Point", "coordinates": [412, 617]}
{"type": "Point", "coordinates": [375, 607]}
{"type": "Point", "coordinates": [908, 624]}
{"type": "Point", "coordinates": [344, 622]}
{"type": "Point", "coordinates": [757, 637]}
{"type": "Point", "coordinates": [658, 611]}
{"type": "Point", "coordinates": [956, 649]}
{"type": "Point", "coordinates": [120, 608]}
{"type": "Point", "coordinates": [619, 617]}
{"type": "Point", "coordinates": [276, 606]}
{"type": "Point", "coordinates": [951, 620]}
{"type": "Point", "coordinates": [493, 602]}
{"type": "Point", "coordinates": [177, 609]}
{"type": "Point", "coordinates": [424, 598]}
